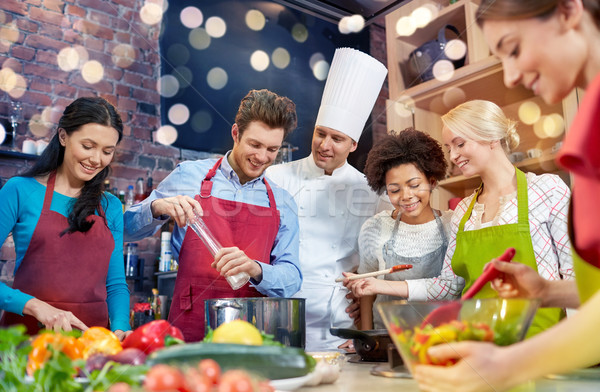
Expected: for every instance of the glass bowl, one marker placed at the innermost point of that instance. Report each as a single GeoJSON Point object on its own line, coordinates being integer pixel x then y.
{"type": "Point", "coordinates": [501, 321]}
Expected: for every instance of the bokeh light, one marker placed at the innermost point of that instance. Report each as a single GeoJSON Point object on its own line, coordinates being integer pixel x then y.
{"type": "Point", "coordinates": [9, 34]}
{"type": "Point", "coordinates": [554, 125]}
{"type": "Point", "coordinates": [2, 133]}
{"type": "Point", "coordinates": [178, 54]}
{"type": "Point", "coordinates": [404, 106]}
{"type": "Point", "coordinates": [20, 87]}
{"type": "Point", "coordinates": [184, 76]}
{"type": "Point", "coordinates": [529, 112]}
{"type": "Point", "coordinates": [453, 97]}
{"type": "Point", "coordinates": [356, 23]}
{"type": "Point", "coordinates": [191, 17]}
{"type": "Point", "coordinates": [201, 121]}
{"type": "Point", "coordinates": [405, 26]}
{"type": "Point", "coordinates": [443, 70]}
{"type": "Point", "coordinates": [421, 16]}
{"type": "Point", "coordinates": [299, 32]}
{"type": "Point", "coordinates": [538, 128]}
{"type": "Point", "coordinates": [8, 79]}
{"type": "Point", "coordinates": [92, 71]}
{"type": "Point", "coordinates": [199, 38]}
{"type": "Point", "coordinates": [166, 135]}
{"type": "Point", "coordinates": [217, 78]}
{"type": "Point", "coordinates": [255, 20]}
{"type": "Point", "coordinates": [38, 126]}
{"type": "Point", "coordinates": [178, 114]}
{"type": "Point", "coordinates": [321, 69]}
{"type": "Point", "coordinates": [280, 58]}
{"type": "Point", "coordinates": [344, 25]}
{"type": "Point", "coordinates": [259, 60]}
{"type": "Point", "coordinates": [151, 14]}
{"type": "Point", "coordinates": [123, 55]}
{"type": "Point", "coordinates": [52, 115]}
{"type": "Point", "coordinates": [168, 86]}
{"type": "Point", "coordinates": [68, 59]}
{"type": "Point", "coordinates": [84, 56]}
{"type": "Point", "coordinates": [315, 58]}
{"type": "Point", "coordinates": [455, 49]}
{"type": "Point", "coordinates": [215, 27]}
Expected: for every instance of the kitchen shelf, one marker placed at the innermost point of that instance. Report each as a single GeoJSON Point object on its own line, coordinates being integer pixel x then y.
{"type": "Point", "coordinates": [16, 154]}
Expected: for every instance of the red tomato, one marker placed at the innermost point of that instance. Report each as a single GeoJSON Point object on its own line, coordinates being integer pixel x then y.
{"type": "Point", "coordinates": [164, 378]}
{"type": "Point", "coordinates": [120, 387]}
{"type": "Point", "coordinates": [196, 382]}
{"type": "Point", "coordinates": [235, 381]}
{"type": "Point", "coordinates": [210, 369]}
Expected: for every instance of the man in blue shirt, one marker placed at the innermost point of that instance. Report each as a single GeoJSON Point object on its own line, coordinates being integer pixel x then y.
{"type": "Point", "coordinates": [255, 221]}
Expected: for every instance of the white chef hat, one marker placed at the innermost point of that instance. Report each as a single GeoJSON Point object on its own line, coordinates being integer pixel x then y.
{"type": "Point", "coordinates": [352, 87]}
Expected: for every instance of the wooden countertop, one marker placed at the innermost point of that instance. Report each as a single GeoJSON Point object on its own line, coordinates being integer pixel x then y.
{"type": "Point", "coordinates": [357, 377]}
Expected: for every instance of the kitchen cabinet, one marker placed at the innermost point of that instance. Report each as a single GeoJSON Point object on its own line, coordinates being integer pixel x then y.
{"type": "Point", "coordinates": [421, 105]}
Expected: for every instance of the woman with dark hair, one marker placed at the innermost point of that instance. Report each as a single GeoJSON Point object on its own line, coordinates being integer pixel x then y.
{"type": "Point", "coordinates": [407, 166]}
{"type": "Point", "coordinates": [551, 47]}
{"type": "Point", "coordinates": [68, 232]}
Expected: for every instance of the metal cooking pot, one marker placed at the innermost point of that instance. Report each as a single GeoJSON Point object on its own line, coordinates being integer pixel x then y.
{"type": "Point", "coordinates": [282, 317]}
{"type": "Point", "coordinates": [371, 345]}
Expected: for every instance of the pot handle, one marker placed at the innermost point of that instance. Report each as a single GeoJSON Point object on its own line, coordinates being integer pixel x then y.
{"type": "Point", "coordinates": [348, 333]}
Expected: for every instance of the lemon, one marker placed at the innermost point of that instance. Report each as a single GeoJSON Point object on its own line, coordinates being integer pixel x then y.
{"type": "Point", "coordinates": [237, 332]}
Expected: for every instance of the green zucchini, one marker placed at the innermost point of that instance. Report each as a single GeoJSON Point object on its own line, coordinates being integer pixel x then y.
{"type": "Point", "coordinates": [270, 362]}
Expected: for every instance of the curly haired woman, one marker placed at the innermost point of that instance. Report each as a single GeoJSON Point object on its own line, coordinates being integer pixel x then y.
{"type": "Point", "coordinates": [407, 166]}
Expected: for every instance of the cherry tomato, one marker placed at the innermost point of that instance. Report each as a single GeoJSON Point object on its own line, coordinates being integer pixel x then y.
{"type": "Point", "coordinates": [164, 378]}
{"type": "Point", "coordinates": [120, 387]}
{"type": "Point", "coordinates": [210, 369]}
{"type": "Point", "coordinates": [197, 382]}
{"type": "Point", "coordinates": [235, 381]}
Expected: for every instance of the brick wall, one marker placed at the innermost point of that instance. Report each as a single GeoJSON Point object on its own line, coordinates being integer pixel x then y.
{"type": "Point", "coordinates": [32, 34]}
{"type": "Point", "coordinates": [378, 50]}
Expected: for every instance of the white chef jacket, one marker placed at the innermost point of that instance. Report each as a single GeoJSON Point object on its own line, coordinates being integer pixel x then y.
{"type": "Point", "coordinates": [331, 211]}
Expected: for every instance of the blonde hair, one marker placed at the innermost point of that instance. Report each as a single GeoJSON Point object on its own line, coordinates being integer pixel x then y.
{"type": "Point", "coordinates": [483, 121]}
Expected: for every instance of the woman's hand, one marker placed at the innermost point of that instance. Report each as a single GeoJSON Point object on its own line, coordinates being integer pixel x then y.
{"type": "Point", "coordinates": [122, 334]}
{"type": "Point", "coordinates": [476, 370]}
{"type": "Point", "coordinates": [180, 208]}
{"type": "Point", "coordinates": [518, 281]}
{"type": "Point", "coordinates": [361, 287]}
{"type": "Point", "coordinates": [52, 318]}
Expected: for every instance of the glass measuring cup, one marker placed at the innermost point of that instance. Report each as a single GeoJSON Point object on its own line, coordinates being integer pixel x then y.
{"type": "Point", "coordinates": [200, 228]}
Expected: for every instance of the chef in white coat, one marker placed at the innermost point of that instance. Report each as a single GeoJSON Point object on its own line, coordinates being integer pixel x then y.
{"type": "Point", "coordinates": [333, 197]}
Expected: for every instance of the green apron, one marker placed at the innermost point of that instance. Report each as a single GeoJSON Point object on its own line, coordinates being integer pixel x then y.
{"type": "Point", "coordinates": [475, 248]}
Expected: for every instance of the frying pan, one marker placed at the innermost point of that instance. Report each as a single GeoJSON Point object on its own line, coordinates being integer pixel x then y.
{"type": "Point", "coordinates": [370, 345]}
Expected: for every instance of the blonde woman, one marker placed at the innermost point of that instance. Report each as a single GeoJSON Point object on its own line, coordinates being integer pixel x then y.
{"type": "Point", "coordinates": [510, 209]}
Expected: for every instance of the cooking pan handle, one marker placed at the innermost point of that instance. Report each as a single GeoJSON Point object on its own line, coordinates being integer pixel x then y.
{"type": "Point", "coordinates": [369, 342]}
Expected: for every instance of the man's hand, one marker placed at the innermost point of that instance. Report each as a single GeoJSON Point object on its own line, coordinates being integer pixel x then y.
{"type": "Point", "coordinates": [180, 208]}
{"type": "Point", "coordinates": [52, 318]}
{"type": "Point", "coordinates": [362, 287]}
{"type": "Point", "coordinates": [232, 261]}
{"type": "Point", "coordinates": [354, 308]}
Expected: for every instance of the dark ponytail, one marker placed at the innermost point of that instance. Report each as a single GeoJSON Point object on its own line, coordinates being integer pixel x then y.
{"type": "Point", "coordinates": [80, 112]}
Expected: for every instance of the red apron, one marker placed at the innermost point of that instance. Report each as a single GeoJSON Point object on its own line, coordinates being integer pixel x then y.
{"type": "Point", "coordinates": [68, 272]}
{"type": "Point", "coordinates": [250, 227]}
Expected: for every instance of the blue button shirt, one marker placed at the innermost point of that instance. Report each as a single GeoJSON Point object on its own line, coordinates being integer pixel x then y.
{"type": "Point", "coordinates": [282, 278]}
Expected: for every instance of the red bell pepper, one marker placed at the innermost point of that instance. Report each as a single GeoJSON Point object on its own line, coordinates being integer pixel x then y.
{"type": "Point", "coordinates": [151, 336]}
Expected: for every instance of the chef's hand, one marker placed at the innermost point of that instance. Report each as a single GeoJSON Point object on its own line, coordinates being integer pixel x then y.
{"type": "Point", "coordinates": [232, 261]}
{"type": "Point", "coordinates": [348, 346]}
{"type": "Point", "coordinates": [122, 334]}
{"type": "Point", "coordinates": [476, 370]}
{"type": "Point", "coordinates": [52, 318]}
{"type": "Point", "coordinates": [180, 208]}
{"type": "Point", "coordinates": [518, 281]}
{"type": "Point", "coordinates": [353, 309]}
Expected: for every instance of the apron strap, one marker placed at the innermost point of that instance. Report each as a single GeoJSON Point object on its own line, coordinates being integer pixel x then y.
{"type": "Point", "coordinates": [49, 190]}
{"type": "Point", "coordinates": [272, 203]}
{"type": "Point", "coordinates": [206, 187]}
{"type": "Point", "coordinates": [461, 225]}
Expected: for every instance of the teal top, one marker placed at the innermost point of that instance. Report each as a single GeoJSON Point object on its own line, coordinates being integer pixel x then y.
{"type": "Point", "coordinates": [21, 204]}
